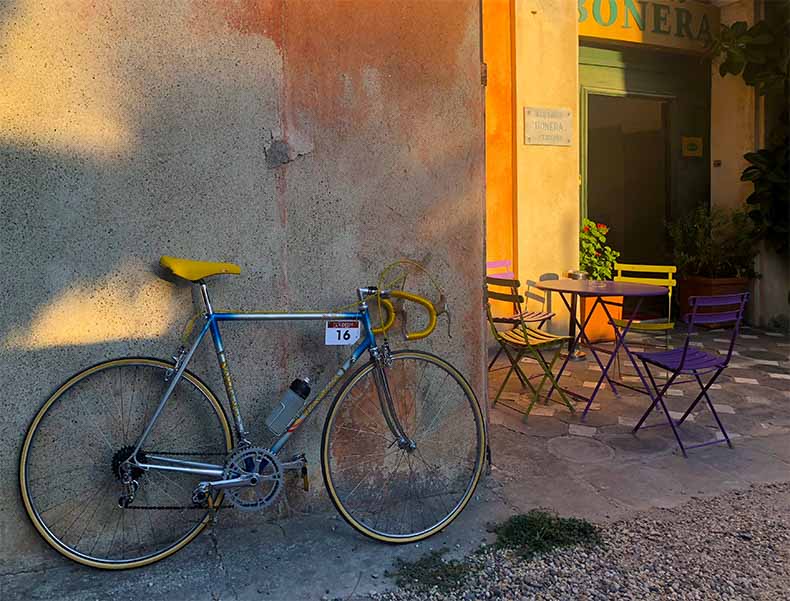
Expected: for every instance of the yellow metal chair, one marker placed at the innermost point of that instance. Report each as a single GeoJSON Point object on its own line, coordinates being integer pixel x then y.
{"type": "Point", "coordinates": [523, 341]}
{"type": "Point", "coordinates": [658, 275]}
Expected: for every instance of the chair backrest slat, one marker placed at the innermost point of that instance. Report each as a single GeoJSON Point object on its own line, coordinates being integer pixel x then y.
{"type": "Point", "coordinates": [668, 269]}
{"type": "Point", "coordinates": [497, 264]}
{"type": "Point", "coordinates": [638, 280]}
{"type": "Point", "coordinates": [492, 280]}
{"type": "Point", "coordinates": [715, 317]}
{"type": "Point", "coordinates": [506, 275]}
{"type": "Point", "coordinates": [721, 300]}
{"type": "Point", "coordinates": [508, 298]}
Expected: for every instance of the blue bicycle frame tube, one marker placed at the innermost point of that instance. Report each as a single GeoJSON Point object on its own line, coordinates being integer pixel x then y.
{"type": "Point", "coordinates": [212, 325]}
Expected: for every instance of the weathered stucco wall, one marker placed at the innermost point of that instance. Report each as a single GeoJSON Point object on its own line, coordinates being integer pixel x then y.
{"type": "Point", "coordinates": [547, 184]}
{"type": "Point", "coordinates": [310, 142]}
{"type": "Point", "coordinates": [732, 124]}
{"type": "Point", "coordinates": [736, 125]}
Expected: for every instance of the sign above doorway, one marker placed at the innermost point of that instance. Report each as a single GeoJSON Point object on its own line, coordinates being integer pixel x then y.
{"type": "Point", "coordinates": [682, 24]}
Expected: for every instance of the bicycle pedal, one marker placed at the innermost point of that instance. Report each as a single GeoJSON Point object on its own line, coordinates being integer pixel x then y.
{"type": "Point", "coordinates": [305, 479]}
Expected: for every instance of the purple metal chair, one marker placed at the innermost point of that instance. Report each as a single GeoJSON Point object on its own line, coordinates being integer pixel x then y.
{"type": "Point", "coordinates": [720, 310]}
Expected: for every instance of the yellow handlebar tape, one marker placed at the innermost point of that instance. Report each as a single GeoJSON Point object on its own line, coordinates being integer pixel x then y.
{"type": "Point", "coordinates": [429, 308]}
{"type": "Point", "coordinates": [387, 304]}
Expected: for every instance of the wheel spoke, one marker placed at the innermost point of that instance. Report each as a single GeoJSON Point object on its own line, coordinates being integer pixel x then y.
{"type": "Point", "coordinates": [73, 486]}
{"type": "Point", "coordinates": [416, 493]}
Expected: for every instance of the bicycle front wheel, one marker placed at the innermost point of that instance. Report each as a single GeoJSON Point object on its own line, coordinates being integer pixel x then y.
{"type": "Point", "coordinates": [69, 469]}
{"type": "Point", "coordinates": [400, 493]}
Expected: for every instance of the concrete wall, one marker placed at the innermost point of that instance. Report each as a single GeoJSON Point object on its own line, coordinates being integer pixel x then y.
{"type": "Point", "coordinates": [547, 180]}
{"type": "Point", "coordinates": [310, 142]}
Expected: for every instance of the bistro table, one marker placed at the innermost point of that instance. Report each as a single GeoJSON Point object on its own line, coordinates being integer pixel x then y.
{"type": "Point", "coordinates": [569, 290]}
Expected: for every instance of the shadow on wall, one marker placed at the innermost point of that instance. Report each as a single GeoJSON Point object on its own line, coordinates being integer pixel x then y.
{"type": "Point", "coordinates": [131, 133]}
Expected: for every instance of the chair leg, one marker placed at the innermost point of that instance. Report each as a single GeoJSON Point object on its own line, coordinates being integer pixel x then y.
{"type": "Point", "coordinates": [498, 352]}
{"type": "Point", "coordinates": [710, 405]}
{"type": "Point", "coordinates": [548, 374]}
{"type": "Point", "coordinates": [514, 362]}
{"type": "Point", "coordinates": [672, 423]}
{"type": "Point", "coordinates": [659, 399]}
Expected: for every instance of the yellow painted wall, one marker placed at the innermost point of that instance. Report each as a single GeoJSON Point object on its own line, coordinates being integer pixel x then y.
{"type": "Point", "coordinates": [547, 187]}
{"type": "Point", "coordinates": [732, 123]}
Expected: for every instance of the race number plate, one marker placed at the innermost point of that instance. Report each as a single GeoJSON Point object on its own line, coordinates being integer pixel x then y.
{"type": "Point", "coordinates": [341, 333]}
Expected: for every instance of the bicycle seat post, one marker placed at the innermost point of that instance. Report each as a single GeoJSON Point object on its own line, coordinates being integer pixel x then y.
{"type": "Point", "coordinates": [206, 300]}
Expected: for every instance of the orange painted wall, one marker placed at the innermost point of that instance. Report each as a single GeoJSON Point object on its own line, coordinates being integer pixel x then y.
{"type": "Point", "coordinates": [498, 55]}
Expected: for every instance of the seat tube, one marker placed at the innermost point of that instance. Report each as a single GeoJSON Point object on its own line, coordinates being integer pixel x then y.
{"type": "Point", "coordinates": [226, 380]}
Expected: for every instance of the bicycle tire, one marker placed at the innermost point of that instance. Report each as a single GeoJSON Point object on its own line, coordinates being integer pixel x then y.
{"type": "Point", "coordinates": [372, 440]}
{"type": "Point", "coordinates": [61, 431]}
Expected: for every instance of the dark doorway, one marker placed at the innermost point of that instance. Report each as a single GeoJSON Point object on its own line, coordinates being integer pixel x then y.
{"type": "Point", "coordinates": [628, 182]}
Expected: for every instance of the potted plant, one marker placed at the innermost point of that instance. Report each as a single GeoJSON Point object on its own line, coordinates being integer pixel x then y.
{"type": "Point", "coordinates": [714, 251]}
{"type": "Point", "coordinates": [597, 260]}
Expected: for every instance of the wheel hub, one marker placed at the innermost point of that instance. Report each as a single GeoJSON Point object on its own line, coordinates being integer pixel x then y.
{"type": "Point", "coordinates": [120, 467]}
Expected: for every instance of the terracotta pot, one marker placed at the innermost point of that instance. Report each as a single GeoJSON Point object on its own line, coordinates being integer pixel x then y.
{"type": "Point", "coordinates": [598, 328]}
{"type": "Point", "coordinates": [699, 286]}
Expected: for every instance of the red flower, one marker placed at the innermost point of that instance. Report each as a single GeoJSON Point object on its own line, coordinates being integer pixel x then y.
{"type": "Point", "coordinates": [601, 226]}
{"type": "Point", "coordinates": [586, 228]}
{"type": "Point", "coordinates": [597, 254]}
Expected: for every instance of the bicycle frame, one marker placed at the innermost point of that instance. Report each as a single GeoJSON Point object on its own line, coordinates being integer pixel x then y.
{"type": "Point", "coordinates": [211, 325]}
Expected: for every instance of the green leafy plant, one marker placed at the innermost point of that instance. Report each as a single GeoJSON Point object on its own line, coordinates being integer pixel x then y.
{"type": "Point", "coordinates": [595, 257]}
{"type": "Point", "coordinates": [753, 52]}
{"type": "Point", "coordinates": [715, 244]}
{"type": "Point", "coordinates": [770, 201]}
{"type": "Point", "coordinates": [761, 55]}
{"type": "Point", "coordinates": [539, 532]}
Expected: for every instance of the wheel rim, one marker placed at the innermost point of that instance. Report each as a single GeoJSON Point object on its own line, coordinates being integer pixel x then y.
{"type": "Point", "coordinates": [69, 471]}
{"type": "Point", "coordinates": [395, 493]}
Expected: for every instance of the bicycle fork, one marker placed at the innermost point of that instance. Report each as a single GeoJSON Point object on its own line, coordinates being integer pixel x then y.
{"type": "Point", "coordinates": [381, 357]}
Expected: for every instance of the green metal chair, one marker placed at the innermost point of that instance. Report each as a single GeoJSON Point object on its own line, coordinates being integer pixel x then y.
{"type": "Point", "coordinates": [523, 341]}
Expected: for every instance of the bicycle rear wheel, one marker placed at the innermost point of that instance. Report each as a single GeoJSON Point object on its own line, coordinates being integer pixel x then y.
{"type": "Point", "coordinates": [395, 494]}
{"type": "Point", "coordinates": [69, 466]}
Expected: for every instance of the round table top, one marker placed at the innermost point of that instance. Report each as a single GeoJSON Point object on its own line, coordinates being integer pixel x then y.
{"type": "Point", "coordinates": [601, 288]}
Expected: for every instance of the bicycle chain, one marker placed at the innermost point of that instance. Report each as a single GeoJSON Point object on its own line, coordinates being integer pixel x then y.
{"type": "Point", "coordinates": [172, 507]}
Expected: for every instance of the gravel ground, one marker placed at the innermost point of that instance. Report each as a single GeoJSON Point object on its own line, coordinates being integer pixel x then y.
{"type": "Point", "coordinates": [736, 546]}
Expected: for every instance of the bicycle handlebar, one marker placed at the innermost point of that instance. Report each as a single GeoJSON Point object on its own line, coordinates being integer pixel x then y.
{"type": "Point", "coordinates": [414, 298]}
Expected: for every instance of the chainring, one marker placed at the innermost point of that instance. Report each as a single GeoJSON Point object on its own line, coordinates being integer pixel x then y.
{"type": "Point", "coordinates": [261, 463]}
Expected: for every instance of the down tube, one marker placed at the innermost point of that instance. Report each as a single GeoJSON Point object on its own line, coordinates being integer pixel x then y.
{"type": "Point", "coordinates": [321, 395]}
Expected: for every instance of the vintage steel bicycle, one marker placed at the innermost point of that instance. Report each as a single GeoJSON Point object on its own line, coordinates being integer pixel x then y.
{"type": "Point", "coordinates": [129, 460]}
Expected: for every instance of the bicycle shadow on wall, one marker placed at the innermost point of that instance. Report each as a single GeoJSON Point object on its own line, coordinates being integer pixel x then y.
{"type": "Point", "coordinates": [86, 227]}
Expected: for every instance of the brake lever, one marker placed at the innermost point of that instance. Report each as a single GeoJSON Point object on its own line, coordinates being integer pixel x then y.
{"type": "Point", "coordinates": [445, 309]}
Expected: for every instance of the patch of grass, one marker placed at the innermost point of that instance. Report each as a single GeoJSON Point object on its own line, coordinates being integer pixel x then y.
{"type": "Point", "coordinates": [539, 532]}
{"type": "Point", "coordinates": [430, 571]}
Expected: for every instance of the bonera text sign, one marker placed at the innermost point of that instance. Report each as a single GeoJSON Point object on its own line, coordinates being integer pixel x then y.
{"type": "Point", "coordinates": [548, 126]}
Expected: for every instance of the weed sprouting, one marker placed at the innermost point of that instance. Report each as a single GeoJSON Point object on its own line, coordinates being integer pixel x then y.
{"type": "Point", "coordinates": [539, 532]}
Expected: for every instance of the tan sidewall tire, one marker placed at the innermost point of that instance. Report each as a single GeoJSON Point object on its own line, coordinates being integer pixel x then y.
{"type": "Point", "coordinates": [34, 425]}
{"type": "Point", "coordinates": [358, 375]}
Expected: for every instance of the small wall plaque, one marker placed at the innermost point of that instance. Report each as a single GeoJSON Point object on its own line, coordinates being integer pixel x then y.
{"type": "Point", "coordinates": [692, 147]}
{"type": "Point", "coordinates": [548, 126]}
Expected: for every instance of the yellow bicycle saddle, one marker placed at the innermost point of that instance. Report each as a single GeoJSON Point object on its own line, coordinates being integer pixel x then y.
{"type": "Point", "coordinates": [197, 270]}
